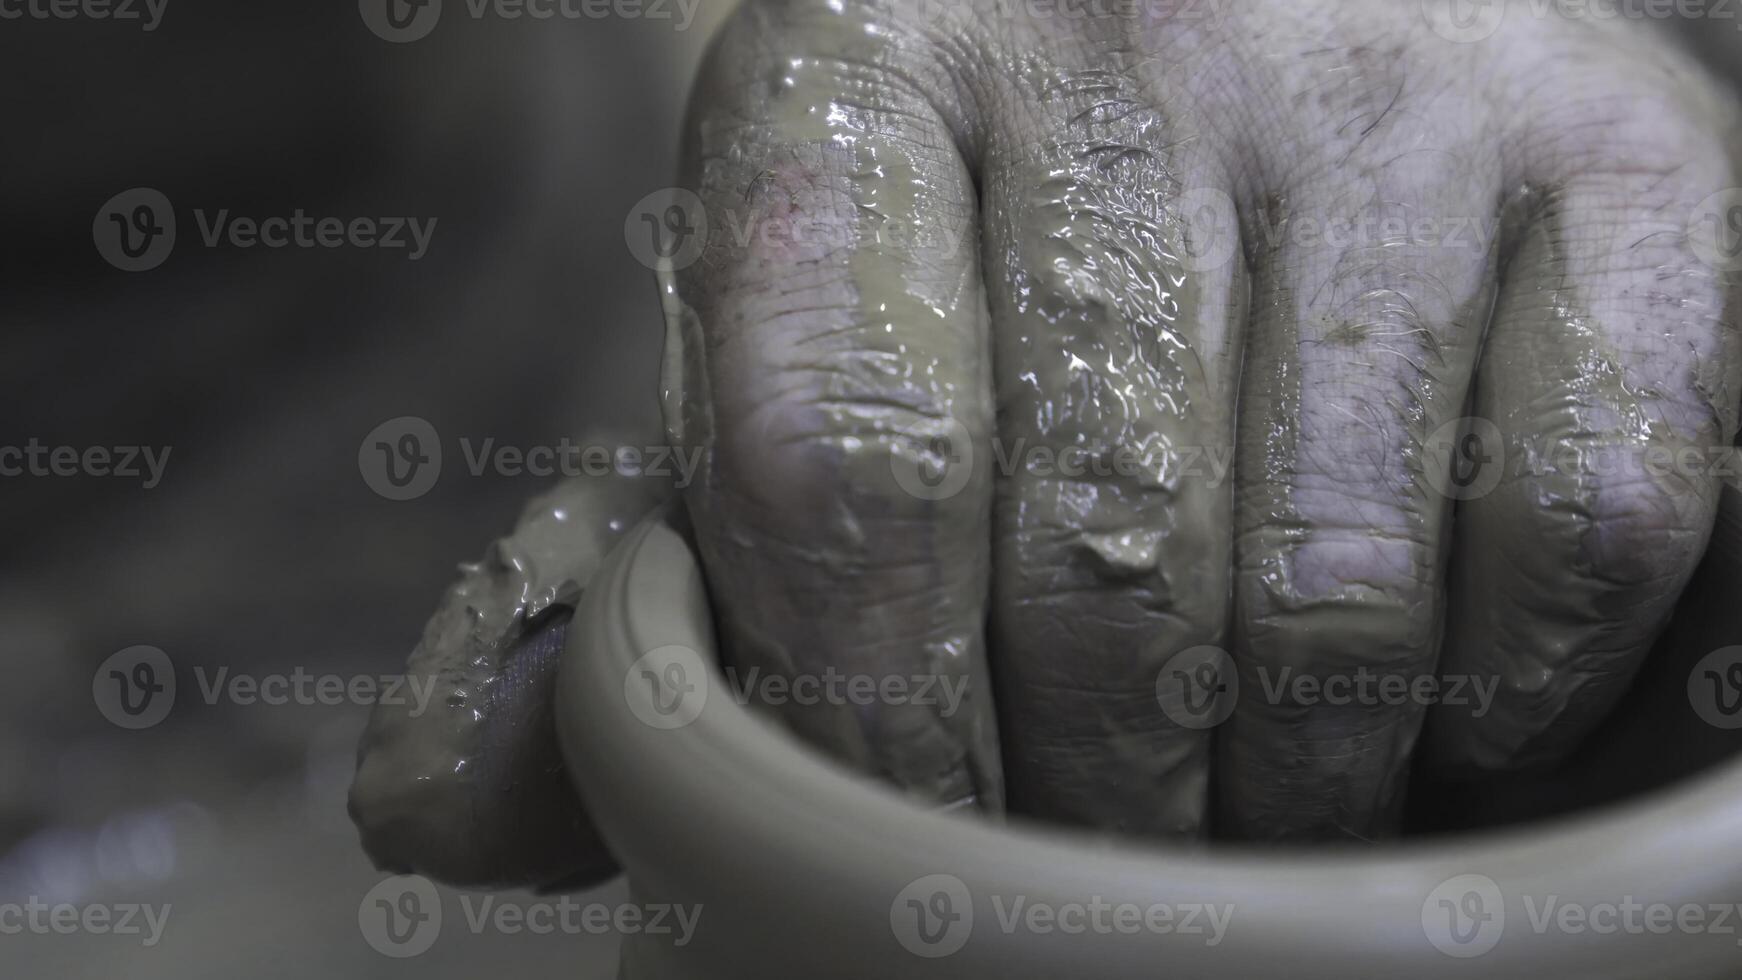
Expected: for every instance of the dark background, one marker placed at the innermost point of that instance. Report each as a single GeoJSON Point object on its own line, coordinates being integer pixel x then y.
{"type": "Point", "coordinates": [263, 549]}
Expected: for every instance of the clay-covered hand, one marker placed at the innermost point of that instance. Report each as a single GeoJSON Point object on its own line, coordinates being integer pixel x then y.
{"type": "Point", "coordinates": [469, 786]}
{"type": "Point", "coordinates": [1032, 353]}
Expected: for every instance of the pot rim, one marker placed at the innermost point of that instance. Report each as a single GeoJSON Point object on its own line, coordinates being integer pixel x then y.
{"type": "Point", "coordinates": [779, 843]}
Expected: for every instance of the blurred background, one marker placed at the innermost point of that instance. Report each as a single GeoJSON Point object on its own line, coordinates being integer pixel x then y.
{"type": "Point", "coordinates": [260, 371]}
{"type": "Point", "coordinates": [262, 549]}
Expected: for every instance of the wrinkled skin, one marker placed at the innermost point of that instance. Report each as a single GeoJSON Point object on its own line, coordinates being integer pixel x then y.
{"type": "Point", "coordinates": [1084, 309]}
{"type": "Point", "coordinates": [471, 789]}
{"type": "Point", "coordinates": [977, 235]}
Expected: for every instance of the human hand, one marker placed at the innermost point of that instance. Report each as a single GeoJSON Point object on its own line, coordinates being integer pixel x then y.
{"type": "Point", "coordinates": [1306, 239]}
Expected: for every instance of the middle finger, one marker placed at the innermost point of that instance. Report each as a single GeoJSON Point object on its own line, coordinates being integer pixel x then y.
{"type": "Point", "coordinates": [1115, 360]}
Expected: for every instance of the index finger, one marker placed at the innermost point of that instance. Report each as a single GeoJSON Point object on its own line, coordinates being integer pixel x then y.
{"type": "Point", "coordinates": [838, 385]}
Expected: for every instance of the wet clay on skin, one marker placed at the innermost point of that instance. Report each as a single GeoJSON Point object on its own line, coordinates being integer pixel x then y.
{"type": "Point", "coordinates": [1576, 431]}
{"type": "Point", "coordinates": [837, 331]}
{"type": "Point", "coordinates": [1362, 343]}
{"type": "Point", "coordinates": [841, 340]}
{"type": "Point", "coordinates": [471, 790]}
{"type": "Point", "coordinates": [1351, 761]}
{"type": "Point", "coordinates": [819, 361]}
{"type": "Point", "coordinates": [1116, 360]}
